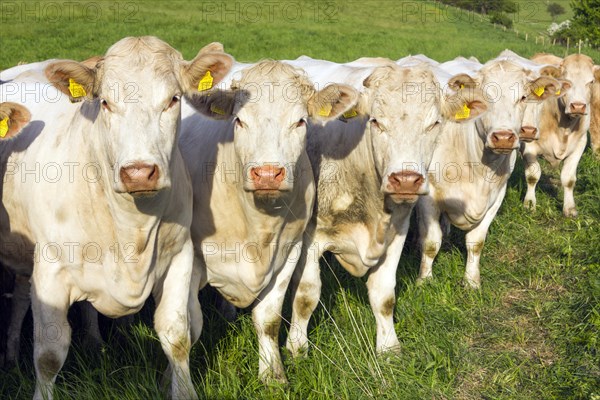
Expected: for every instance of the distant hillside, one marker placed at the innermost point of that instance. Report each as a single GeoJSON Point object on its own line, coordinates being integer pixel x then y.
{"type": "Point", "coordinates": [340, 30]}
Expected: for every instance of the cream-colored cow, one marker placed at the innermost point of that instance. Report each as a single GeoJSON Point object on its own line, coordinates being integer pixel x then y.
{"type": "Point", "coordinates": [370, 171]}
{"type": "Point", "coordinates": [254, 190]}
{"type": "Point", "coordinates": [471, 166]}
{"type": "Point", "coordinates": [563, 128]}
{"type": "Point", "coordinates": [113, 227]}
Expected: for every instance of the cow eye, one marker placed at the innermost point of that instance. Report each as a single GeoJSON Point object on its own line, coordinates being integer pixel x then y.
{"type": "Point", "coordinates": [105, 105]}
{"type": "Point", "coordinates": [174, 101]}
{"type": "Point", "coordinates": [375, 124]}
{"type": "Point", "coordinates": [301, 123]}
{"type": "Point", "coordinates": [436, 123]}
{"type": "Point", "coordinates": [239, 123]}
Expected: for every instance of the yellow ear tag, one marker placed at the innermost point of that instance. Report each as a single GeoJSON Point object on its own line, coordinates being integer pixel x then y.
{"type": "Point", "coordinates": [3, 127]}
{"type": "Point", "coordinates": [464, 113]}
{"type": "Point", "coordinates": [557, 93]}
{"type": "Point", "coordinates": [215, 109]}
{"type": "Point", "coordinates": [326, 110]}
{"type": "Point", "coordinates": [462, 86]}
{"type": "Point", "coordinates": [350, 113]}
{"type": "Point", "coordinates": [539, 91]}
{"type": "Point", "coordinates": [76, 89]}
{"type": "Point", "coordinates": [206, 82]}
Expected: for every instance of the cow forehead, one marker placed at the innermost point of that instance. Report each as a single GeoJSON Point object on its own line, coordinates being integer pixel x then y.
{"type": "Point", "coordinates": [402, 88]}
{"type": "Point", "coordinates": [504, 72]}
{"type": "Point", "coordinates": [578, 67]}
{"type": "Point", "coordinates": [146, 61]}
{"type": "Point", "coordinates": [274, 85]}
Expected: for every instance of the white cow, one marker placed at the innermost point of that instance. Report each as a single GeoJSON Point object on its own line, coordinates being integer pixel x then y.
{"type": "Point", "coordinates": [21, 82]}
{"type": "Point", "coordinates": [254, 189]}
{"type": "Point", "coordinates": [471, 166]}
{"type": "Point", "coordinates": [563, 128]}
{"type": "Point", "coordinates": [370, 171]}
{"type": "Point", "coordinates": [112, 225]}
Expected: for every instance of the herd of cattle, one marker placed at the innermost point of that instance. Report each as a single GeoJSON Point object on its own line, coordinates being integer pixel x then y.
{"type": "Point", "coordinates": [140, 173]}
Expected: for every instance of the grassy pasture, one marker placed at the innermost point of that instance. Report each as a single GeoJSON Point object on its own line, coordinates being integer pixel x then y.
{"type": "Point", "coordinates": [532, 332]}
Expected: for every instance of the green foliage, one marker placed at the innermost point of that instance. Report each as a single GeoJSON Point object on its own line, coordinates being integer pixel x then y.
{"type": "Point", "coordinates": [501, 19]}
{"type": "Point", "coordinates": [585, 24]}
{"type": "Point", "coordinates": [484, 6]}
{"type": "Point", "coordinates": [555, 9]}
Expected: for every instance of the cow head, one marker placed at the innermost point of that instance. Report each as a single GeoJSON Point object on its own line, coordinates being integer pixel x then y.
{"type": "Point", "coordinates": [135, 90]}
{"type": "Point", "coordinates": [580, 71]}
{"type": "Point", "coordinates": [533, 109]}
{"type": "Point", "coordinates": [269, 108]}
{"type": "Point", "coordinates": [405, 108]}
{"type": "Point", "coordinates": [13, 118]}
{"type": "Point", "coordinates": [509, 87]}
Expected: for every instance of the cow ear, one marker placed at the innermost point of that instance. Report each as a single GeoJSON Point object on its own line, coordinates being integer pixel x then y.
{"type": "Point", "coordinates": [214, 47]}
{"type": "Point", "coordinates": [465, 105]}
{"type": "Point", "coordinates": [331, 102]}
{"type": "Point", "coordinates": [542, 88]}
{"type": "Point", "coordinates": [597, 73]}
{"type": "Point", "coordinates": [550, 70]}
{"type": "Point", "coordinates": [72, 78]}
{"type": "Point", "coordinates": [565, 85]}
{"type": "Point", "coordinates": [461, 81]}
{"type": "Point", "coordinates": [92, 61]}
{"type": "Point", "coordinates": [206, 70]}
{"type": "Point", "coordinates": [13, 118]}
{"type": "Point", "coordinates": [218, 105]}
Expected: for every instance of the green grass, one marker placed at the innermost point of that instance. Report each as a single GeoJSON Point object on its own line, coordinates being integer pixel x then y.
{"type": "Point", "coordinates": [532, 331]}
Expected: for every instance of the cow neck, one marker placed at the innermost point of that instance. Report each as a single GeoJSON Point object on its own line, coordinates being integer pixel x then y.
{"type": "Point", "coordinates": [128, 221]}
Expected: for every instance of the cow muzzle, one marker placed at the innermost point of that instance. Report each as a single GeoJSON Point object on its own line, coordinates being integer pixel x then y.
{"type": "Point", "coordinates": [577, 109]}
{"type": "Point", "coordinates": [503, 142]}
{"type": "Point", "coordinates": [140, 179]}
{"type": "Point", "coordinates": [528, 134]}
{"type": "Point", "coordinates": [267, 180]}
{"type": "Point", "coordinates": [405, 186]}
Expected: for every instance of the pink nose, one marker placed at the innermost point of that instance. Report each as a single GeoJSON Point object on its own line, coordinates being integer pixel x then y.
{"type": "Point", "coordinates": [405, 182]}
{"type": "Point", "coordinates": [504, 140]}
{"type": "Point", "coordinates": [140, 177]}
{"type": "Point", "coordinates": [527, 133]}
{"type": "Point", "coordinates": [577, 108]}
{"type": "Point", "coordinates": [267, 177]}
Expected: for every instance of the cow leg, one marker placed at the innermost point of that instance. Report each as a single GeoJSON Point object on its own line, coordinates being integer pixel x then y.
{"type": "Point", "coordinates": [197, 283]}
{"type": "Point", "coordinates": [306, 291]}
{"type": "Point", "coordinates": [381, 285]}
{"type": "Point", "coordinates": [568, 176]}
{"type": "Point", "coordinates": [20, 305]}
{"type": "Point", "coordinates": [533, 173]}
{"type": "Point", "coordinates": [93, 338]}
{"type": "Point", "coordinates": [475, 240]}
{"type": "Point", "coordinates": [431, 236]}
{"type": "Point", "coordinates": [266, 316]}
{"type": "Point", "coordinates": [52, 334]}
{"type": "Point", "coordinates": [172, 320]}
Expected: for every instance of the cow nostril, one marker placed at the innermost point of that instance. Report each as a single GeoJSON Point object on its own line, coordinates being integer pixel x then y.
{"type": "Point", "coordinates": [140, 177]}
{"type": "Point", "coordinates": [279, 174]}
{"type": "Point", "coordinates": [528, 131]}
{"type": "Point", "coordinates": [578, 107]}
